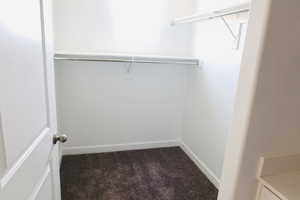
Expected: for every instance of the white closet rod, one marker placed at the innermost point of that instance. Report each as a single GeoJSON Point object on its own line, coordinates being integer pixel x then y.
{"type": "Point", "coordinates": [127, 59]}
{"type": "Point", "coordinates": [215, 14]}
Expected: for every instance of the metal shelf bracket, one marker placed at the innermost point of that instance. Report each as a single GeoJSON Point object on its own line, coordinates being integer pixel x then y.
{"type": "Point", "coordinates": [236, 37]}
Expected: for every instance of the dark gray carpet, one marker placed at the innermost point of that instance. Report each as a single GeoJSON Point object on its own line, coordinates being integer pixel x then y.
{"type": "Point", "coordinates": [156, 174]}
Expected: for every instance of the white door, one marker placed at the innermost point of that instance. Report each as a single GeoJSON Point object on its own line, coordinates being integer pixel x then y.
{"type": "Point", "coordinates": [28, 159]}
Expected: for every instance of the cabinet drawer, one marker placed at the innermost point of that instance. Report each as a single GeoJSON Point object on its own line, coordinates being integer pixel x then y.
{"type": "Point", "coordinates": [267, 195]}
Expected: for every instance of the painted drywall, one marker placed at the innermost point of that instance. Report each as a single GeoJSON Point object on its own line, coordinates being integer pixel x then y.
{"type": "Point", "coordinates": [2, 151]}
{"type": "Point", "coordinates": [266, 117]}
{"type": "Point", "coordinates": [211, 91]}
{"type": "Point", "coordinates": [118, 26]}
{"type": "Point", "coordinates": [102, 104]}
{"type": "Point", "coordinates": [113, 27]}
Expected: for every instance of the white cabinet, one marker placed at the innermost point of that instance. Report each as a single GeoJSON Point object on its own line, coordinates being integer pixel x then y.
{"type": "Point", "coordinates": [279, 178]}
{"type": "Point", "coordinates": [267, 195]}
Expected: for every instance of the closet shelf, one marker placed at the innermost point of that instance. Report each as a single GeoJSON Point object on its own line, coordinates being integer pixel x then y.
{"type": "Point", "coordinates": [245, 7]}
{"type": "Point", "coordinates": [241, 8]}
{"type": "Point", "coordinates": [126, 58]}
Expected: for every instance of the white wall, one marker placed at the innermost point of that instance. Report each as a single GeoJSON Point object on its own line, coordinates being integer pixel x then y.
{"type": "Point", "coordinates": [118, 26]}
{"type": "Point", "coordinates": [95, 99]}
{"type": "Point", "coordinates": [101, 104]}
{"type": "Point", "coordinates": [266, 117]}
{"type": "Point", "coordinates": [115, 27]}
{"type": "Point", "coordinates": [211, 91]}
{"type": "Point", "coordinates": [2, 151]}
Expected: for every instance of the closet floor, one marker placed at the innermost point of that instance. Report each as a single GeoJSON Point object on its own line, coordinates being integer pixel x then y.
{"type": "Point", "coordinates": [155, 174]}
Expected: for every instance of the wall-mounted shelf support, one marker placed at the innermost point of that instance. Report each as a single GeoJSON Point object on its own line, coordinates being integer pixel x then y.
{"type": "Point", "coordinates": [236, 37]}
{"type": "Point", "coordinates": [241, 8]}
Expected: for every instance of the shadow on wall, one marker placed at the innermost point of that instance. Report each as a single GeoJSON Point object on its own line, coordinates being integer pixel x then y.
{"type": "Point", "coordinates": [211, 92]}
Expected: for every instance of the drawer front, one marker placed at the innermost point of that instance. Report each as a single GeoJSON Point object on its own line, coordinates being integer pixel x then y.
{"type": "Point", "coordinates": [267, 195]}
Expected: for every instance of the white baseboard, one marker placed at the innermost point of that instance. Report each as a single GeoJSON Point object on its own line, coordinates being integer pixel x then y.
{"type": "Point", "coordinates": [201, 165]}
{"type": "Point", "coordinates": [118, 147]}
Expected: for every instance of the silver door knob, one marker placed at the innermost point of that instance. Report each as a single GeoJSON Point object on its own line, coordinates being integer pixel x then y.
{"type": "Point", "coordinates": [60, 138]}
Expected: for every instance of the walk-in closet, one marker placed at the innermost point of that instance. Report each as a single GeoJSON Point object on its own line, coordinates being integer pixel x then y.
{"type": "Point", "coordinates": [149, 100]}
